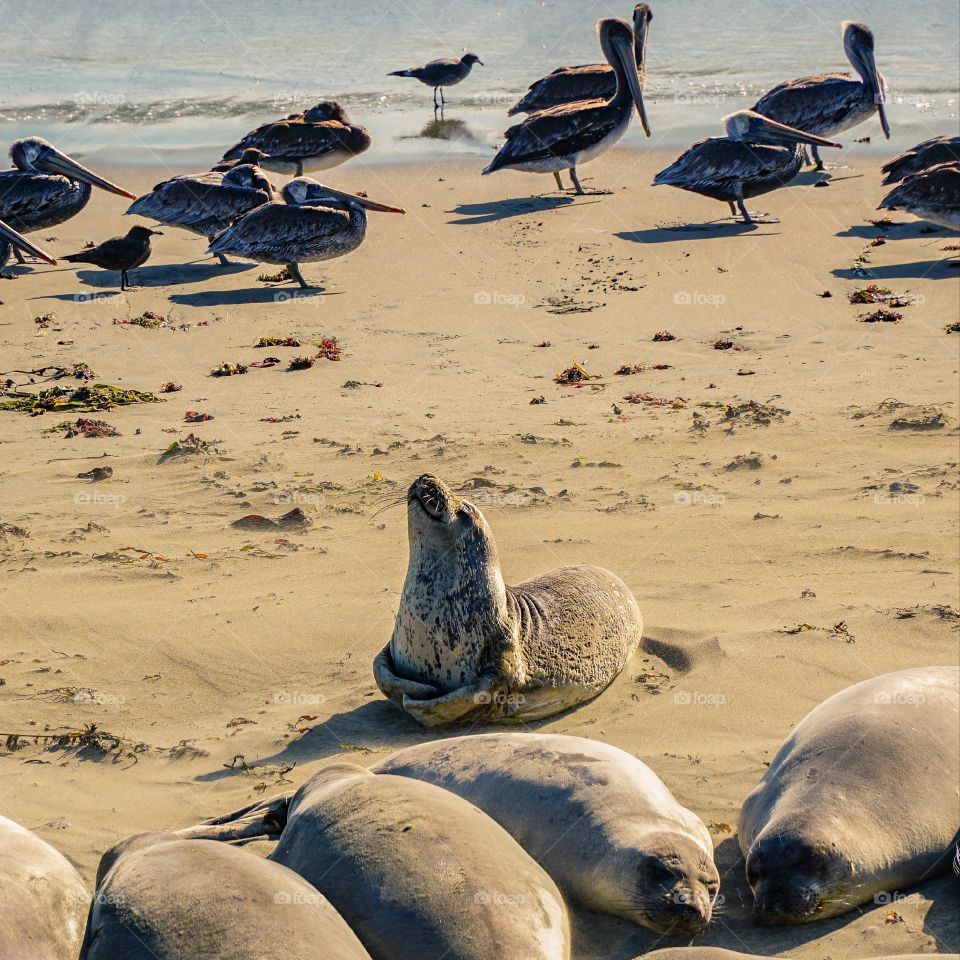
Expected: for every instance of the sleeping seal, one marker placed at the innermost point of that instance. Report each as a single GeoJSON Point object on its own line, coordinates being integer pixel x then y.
{"type": "Point", "coordinates": [861, 799]}
{"type": "Point", "coordinates": [163, 898]}
{"type": "Point", "coordinates": [417, 872]}
{"type": "Point", "coordinates": [599, 821]}
{"type": "Point", "coordinates": [43, 900]}
{"type": "Point", "coordinates": [467, 646]}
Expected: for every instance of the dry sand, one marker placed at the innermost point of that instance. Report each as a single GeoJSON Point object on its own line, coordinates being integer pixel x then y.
{"type": "Point", "coordinates": [771, 561]}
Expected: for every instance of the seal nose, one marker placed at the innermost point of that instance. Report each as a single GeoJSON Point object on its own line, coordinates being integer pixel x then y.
{"type": "Point", "coordinates": [775, 905]}
{"type": "Point", "coordinates": [692, 910]}
{"type": "Point", "coordinates": [431, 493]}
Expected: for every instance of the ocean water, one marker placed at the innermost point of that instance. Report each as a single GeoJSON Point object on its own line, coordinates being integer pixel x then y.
{"type": "Point", "coordinates": [176, 82]}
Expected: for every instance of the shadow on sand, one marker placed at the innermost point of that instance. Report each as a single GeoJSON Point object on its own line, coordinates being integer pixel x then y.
{"type": "Point", "coordinates": [710, 230]}
{"type": "Point", "coordinates": [474, 213]}
{"type": "Point", "coordinates": [916, 270]}
{"type": "Point", "coordinates": [227, 298]}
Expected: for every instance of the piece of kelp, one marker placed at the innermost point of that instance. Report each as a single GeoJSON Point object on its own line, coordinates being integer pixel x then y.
{"type": "Point", "coordinates": [95, 396]}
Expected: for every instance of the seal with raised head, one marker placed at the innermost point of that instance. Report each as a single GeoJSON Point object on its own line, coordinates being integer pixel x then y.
{"type": "Point", "coordinates": [417, 872]}
{"type": "Point", "coordinates": [597, 819]}
{"type": "Point", "coordinates": [160, 897]}
{"type": "Point", "coordinates": [862, 798]}
{"type": "Point", "coordinates": [467, 646]}
{"type": "Point", "coordinates": [43, 899]}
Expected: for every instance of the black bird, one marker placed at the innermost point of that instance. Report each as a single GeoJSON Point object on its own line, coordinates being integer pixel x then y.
{"type": "Point", "coordinates": [251, 156]}
{"type": "Point", "coordinates": [119, 253]}
{"type": "Point", "coordinates": [441, 73]}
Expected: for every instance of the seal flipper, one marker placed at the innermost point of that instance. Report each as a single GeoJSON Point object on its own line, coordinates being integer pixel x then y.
{"type": "Point", "coordinates": [265, 818]}
{"type": "Point", "coordinates": [488, 695]}
{"type": "Point", "coordinates": [397, 688]}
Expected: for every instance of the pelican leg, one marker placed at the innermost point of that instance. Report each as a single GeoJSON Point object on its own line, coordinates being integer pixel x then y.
{"type": "Point", "coordinates": [294, 269]}
{"type": "Point", "coordinates": [224, 262]}
{"type": "Point", "coordinates": [556, 174]}
{"type": "Point", "coordinates": [20, 257]}
{"type": "Point", "coordinates": [743, 210]}
{"type": "Point", "coordinates": [576, 181]}
{"type": "Point", "coordinates": [299, 168]}
{"type": "Point", "coordinates": [733, 208]}
{"type": "Point", "coordinates": [817, 162]}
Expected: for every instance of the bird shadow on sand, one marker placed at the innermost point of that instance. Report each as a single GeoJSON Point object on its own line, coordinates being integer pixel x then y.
{"type": "Point", "coordinates": [904, 230]}
{"type": "Point", "coordinates": [226, 298]}
{"type": "Point", "coordinates": [939, 269]}
{"type": "Point", "coordinates": [710, 230]}
{"type": "Point", "coordinates": [476, 213]}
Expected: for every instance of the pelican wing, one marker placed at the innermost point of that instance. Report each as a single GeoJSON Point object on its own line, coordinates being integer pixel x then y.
{"type": "Point", "coordinates": [937, 188]}
{"type": "Point", "coordinates": [924, 155]}
{"type": "Point", "coordinates": [592, 81]}
{"type": "Point", "coordinates": [293, 139]}
{"type": "Point", "coordinates": [811, 104]}
{"type": "Point", "coordinates": [720, 160]}
{"type": "Point", "coordinates": [276, 226]}
{"type": "Point", "coordinates": [557, 132]}
{"type": "Point", "coordinates": [205, 203]}
{"type": "Point", "coordinates": [26, 198]}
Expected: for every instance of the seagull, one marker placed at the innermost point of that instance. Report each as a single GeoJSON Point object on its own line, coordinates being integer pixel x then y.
{"type": "Point", "coordinates": [830, 103]}
{"type": "Point", "coordinates": [563, 137]}
{"type": "Point", "coordinates": [314, 222]}
{"type": "Point", "coordinates": [317, 139]}
{"type": "Point", "coordinates": [441, 73]}
{"type": "Point", "coordinates": [251, 155]}
{"type": "Point", "coordinates": [756, 156]}
{"type": "Point", "coordinates": [119, 253]}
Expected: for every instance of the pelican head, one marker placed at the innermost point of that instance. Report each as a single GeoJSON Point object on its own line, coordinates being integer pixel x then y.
{"type": "Point", "coordinates": [642, 15]}
{"type": "Point", "coordinates": [617, 43]}
{"type": "Point", "coordinates": [327, 110]}
{"type": "Point", "coordinates": [858, 46]}
{"type": "Point", "coordinates": [749, 126]}
{"type": "Point", "coordinates": [470, 59]}
{"type": "Point", "coordinates": [304, 191]}
{"type": "Point", "coordinates": [35, 155]}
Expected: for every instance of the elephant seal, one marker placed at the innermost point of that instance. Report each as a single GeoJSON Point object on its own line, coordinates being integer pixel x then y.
{"type": "Point", "coordinates": [599, 821]}
{"type": "Point", "coordinates": [43, 899]}
{"type": "Point", "coordinates": [467, 646]}
{"type": "Point", "coordinates": [718, 953]}
{"type": "Point", "coordinates": [163, 898]}
{"type": "Point", "coordinates": [417, 872]}
{"type": "Point", "coordinates": [861, 799]}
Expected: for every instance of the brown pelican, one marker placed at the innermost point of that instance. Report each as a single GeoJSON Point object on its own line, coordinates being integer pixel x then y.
{"type": "Point", "coordinates": [250, 155]}
{"type": "Point", "coordinates": [10, 238]}
{"type": "Point", "coordinates": [932, 194]}
{"type": "Point", "coordinates": [206, 203]}
{"type": "Point", "coordinates": [829, 103]}
{"type": "Point", "coordinates": [923, 156]}
{"type": "Point", "coordinates": [317, 139]}
{"type": "Point", "coordinates": [594, 81]}
{"type": "Point", "coordinates": [314, 222]}
{"type": "Point", "coordinates": [46, 188]}
{"type": "Point", "coordinates": [119, 253]}
{"type": "Point", "coordinates": [441, 73]}
{"type": "Point", "coordinates": [756, 156]}
{"type": "Point", "coordinates": [563, 137]}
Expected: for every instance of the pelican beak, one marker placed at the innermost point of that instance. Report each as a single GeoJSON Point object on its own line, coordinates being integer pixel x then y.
{"type": "Point", "coordinates": [11, 236]}
{"type": "Point", "coordinates": [624, 50]}
{"type": "Point", "coordinates": [868, 65]}
{"type": "Point", "coordinates": [56, 162]}
{"type": "Point", "coordinates": [784, 134]}
{"type": "Point", "coordinates": [365, 202]}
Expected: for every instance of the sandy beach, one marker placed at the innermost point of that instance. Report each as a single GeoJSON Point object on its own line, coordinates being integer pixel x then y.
{"type": "Point", "coordinates": [777, 484]}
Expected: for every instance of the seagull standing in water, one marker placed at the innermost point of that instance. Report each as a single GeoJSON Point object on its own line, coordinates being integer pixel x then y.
{"type": "Point", "coordinates": [563, 137]}
{"type": "Point", "coordinates": [830, 103]}
{"type": "Point", "coordinates": [441, 73]}
{"type": "Point", "coordinates": [314, 222]}
{"type": "Point", "coordinates": [594, 81]}
{"type": "Point", "coordinates": [756, 156]}
{"type": "Point", "coordinates": [45, 188]}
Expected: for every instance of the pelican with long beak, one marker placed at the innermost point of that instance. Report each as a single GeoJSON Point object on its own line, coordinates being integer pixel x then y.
{"type": "Point", "coordinates": [565, 136]}
{"type": "Point", "coordinates": [10, 238]}
{"type": "Point", "coordinates": [46, 187]}
{"type": "Point", "coordinates": [592, 81]}
{"type": "Point", "coordinates": [830, 103]}
{"type": "Point", "coordinates": [756, 156]}
{"type": "Point", "coordinates": [314, 222]}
